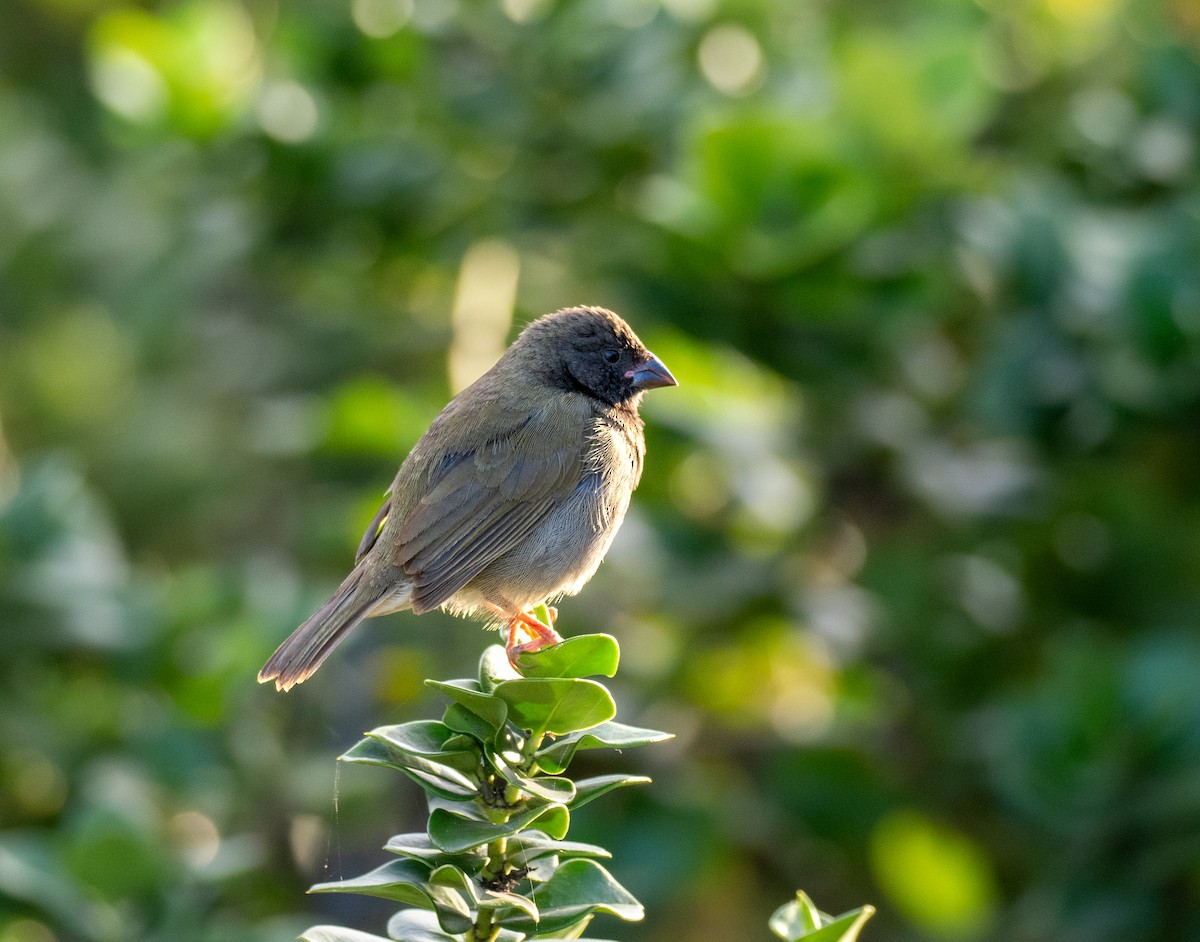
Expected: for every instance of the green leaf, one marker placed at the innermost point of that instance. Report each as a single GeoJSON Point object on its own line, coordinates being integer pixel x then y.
{"type": "Point", "coordinates": [420, 737]}
{"type": "Point", "coordinates": [414, 844]}
{"type": "Point", "coordinates": [532, 845]}
{"type": "Point", "coordinates": [341, 934]}
{"type": "Point", "coordinates": [418, 846]}
{"type": "Point", "coordinates": [498, 900]}
{"type": "Point", "coordinates": [549, 705]}
{"type": "Point", "coordinates": [434, 776]}
{"type": "Point", "coordinates": [447, 891]}
{"type": "Point", "coordinates": [574, 932]}
{"type": "Point", "coordinates": [548, 788]}
{"type": "Point", "coordinates": [800, 919]}
{"type": "Point", "coordinates": [577, 889]}
{"type": "Point", "coordinates": [791, 920]}
{"type": "Point", "coordinates": [416, 925]}
{"type": "Point", "coordinates": [434, 741]}
{"type": "Point", "coordinates": [555, 757]}
{"type": "Point", "coordinates": [589, 789]}
{"type": "Point", "coordinates": [454, 832]}
{"type": "Point", "coordinates": [494, 668]}
{"type": "Point", "coordinates": [462, 720]}
{"type": "Point", "coordinates": [467, 693]}
{"type": "Point", "coordinates": [582, 656]}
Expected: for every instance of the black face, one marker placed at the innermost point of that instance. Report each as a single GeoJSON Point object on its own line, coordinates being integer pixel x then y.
{"type": "Point", "coordinates": [592, 351]}
{"type": "Point", "coordinates": [604, 364]}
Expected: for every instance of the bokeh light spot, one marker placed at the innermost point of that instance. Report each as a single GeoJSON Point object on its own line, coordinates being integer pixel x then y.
{"type": "Point", "coordinates": [937, 877]}
{"type": "Point", "coordinates": [196, 836]}
{"type": "Point", "coordinates": [381, 18]}
{"type": "Point", "coordinates": [483, 309]}
{"type": "Point", "coordinates": [731, 59]}
{"type": "Point", "coordinates": [287, 112]}
{"type": "Point", "coordinates": [128, 84]}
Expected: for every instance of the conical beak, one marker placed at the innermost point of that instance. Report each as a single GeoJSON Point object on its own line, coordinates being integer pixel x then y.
{"type": "Point", "coordinates": [652, 374]}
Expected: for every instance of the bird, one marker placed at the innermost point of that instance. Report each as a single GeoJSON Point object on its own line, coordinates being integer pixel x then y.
{"type": "Point", "coordinates": [510, 499]}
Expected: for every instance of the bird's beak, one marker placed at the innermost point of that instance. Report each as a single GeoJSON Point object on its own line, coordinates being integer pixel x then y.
{"type": "Point", "coordinates": [651, 374]}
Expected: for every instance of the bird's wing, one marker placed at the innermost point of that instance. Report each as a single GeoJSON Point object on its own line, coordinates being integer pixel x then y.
{"type": "Point", "coordinates": [374, 528]}
{"type": "Point", "coordinates": [483, 501]}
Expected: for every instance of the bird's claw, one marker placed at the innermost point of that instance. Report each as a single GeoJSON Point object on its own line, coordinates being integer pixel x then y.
{"type": "Point", "coordinates": [540, 635]}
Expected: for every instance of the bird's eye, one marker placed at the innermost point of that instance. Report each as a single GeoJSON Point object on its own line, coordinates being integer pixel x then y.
{"type": "Point", "coordinates": [611, 356]}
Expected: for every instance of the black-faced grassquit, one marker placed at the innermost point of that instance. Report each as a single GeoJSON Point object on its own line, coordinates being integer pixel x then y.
{"type": "Point", "coordinates": [512, 496]}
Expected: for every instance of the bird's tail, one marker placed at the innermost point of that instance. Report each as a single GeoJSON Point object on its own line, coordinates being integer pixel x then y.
{"type": "Point", "coordinates": [301, 654]}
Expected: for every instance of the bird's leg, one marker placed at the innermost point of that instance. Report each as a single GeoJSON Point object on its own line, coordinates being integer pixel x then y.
{"type": "Point", "coordinates": [540, 635]}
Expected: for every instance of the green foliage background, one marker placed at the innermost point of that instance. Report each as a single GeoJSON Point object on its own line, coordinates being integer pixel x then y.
{"type": "Point", "coordinates": [913, 571]}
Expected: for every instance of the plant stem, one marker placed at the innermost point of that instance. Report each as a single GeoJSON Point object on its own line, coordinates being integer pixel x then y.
{"type": "Point", "coordinates": [497, 857]}
{"type": "Point", "coordinates": [532, 745]}
{"type": "Point", "coordinates": [493, 870]}
{"type": "Point", "coordinates": [483, 931]}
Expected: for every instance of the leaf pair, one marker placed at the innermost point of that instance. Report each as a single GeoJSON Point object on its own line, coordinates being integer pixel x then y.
{"type": "Point", "coordinates": [801, 921]}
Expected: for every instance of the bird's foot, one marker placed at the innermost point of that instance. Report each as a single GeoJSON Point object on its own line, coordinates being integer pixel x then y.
{"type": "Point", "coordinates": [539, 635]}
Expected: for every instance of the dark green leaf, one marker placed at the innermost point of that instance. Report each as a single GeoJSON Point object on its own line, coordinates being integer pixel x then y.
{"type": "Point", "coordinates": [582, 656]}
{"type": "Point", "coordinates": [497, 900]}
{"type": "Point", "coordinates": [416, 925]}
{"type": "Point", "coordinates": [436, 776]}
{"type": "Point", "coordinates": [467, 693]}
{"type": "Point", "coordinates": [591, 788]}
{"type": "Point", "coordinates": [420, 737]}
{"type": "Point", "coordinates": [446, 890]}
{"type": "Point", "coordinates": [419, 847]}
{"type": "Point", "coordinates": [531, 845]}
{"type": "Point", "coordinates": [548, 705]}
{"type": "Point", "coordinates": [578, 888]}
{"type": "Point", "coordinates": [548, 788]}
{"type": "Point", "coordinates": [555, 757]}
{"type": "Point", "coordinates": [571, 932]}
{"type": "Point", "coordinates": [399, 880]}
{"type": "Point", "coordinates": [455, 832]}
{"type": "Point", "coordinates": [459, 718]}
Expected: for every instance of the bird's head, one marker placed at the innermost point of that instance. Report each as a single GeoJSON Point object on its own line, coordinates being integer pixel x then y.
{"type": "Point", "coordinates": [593, 351]}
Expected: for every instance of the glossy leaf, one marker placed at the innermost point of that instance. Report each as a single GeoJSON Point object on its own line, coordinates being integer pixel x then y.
{"type": "Point", "coordinates": [446, 891]}
{"type": "Point", "coordinates": [801, 920]}
{"type": "Point", "coordinates": [530, 845]}
{"type": "Point", "coordinates": [464, 721]}
{"type": "Point", "coordinates": [455, 832]}
{"type": "Point", "coordinates": [494, 668]}
{"type": "Point", "coordinates": [491, 710]}
{"type": "Point", "coordinates": [555, 757]}
{"type": "Point", "coordinates": [436, 776]}
{"type": "Point", "coordinates": [418, 925]}
{"type": "Point", "coordinates": [581, 656]}
{"type": "Point", "coordinates": [577, 889]}
{"type": "Point", "coordinates": [498, 900]}
{"type": "Point", "coordinates": [549, 705]}
{"type": "Point", "coordinates": [418, 846]}
{"type": "Point", "coordinates": [545, 787]}
{"type": "Point", "coordinates": [590, 789]}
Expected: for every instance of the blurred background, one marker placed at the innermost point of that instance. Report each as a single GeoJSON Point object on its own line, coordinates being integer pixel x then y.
{"type": "Point", "coordinates": [914, 570]}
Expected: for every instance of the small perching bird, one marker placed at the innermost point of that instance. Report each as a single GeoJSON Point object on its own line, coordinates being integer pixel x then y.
{"type": "Point", "coordinates": [510, 498]}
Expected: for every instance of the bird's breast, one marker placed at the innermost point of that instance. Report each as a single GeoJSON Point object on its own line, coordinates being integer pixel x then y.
{"type": "Point", "coordinates": [566, 548]}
